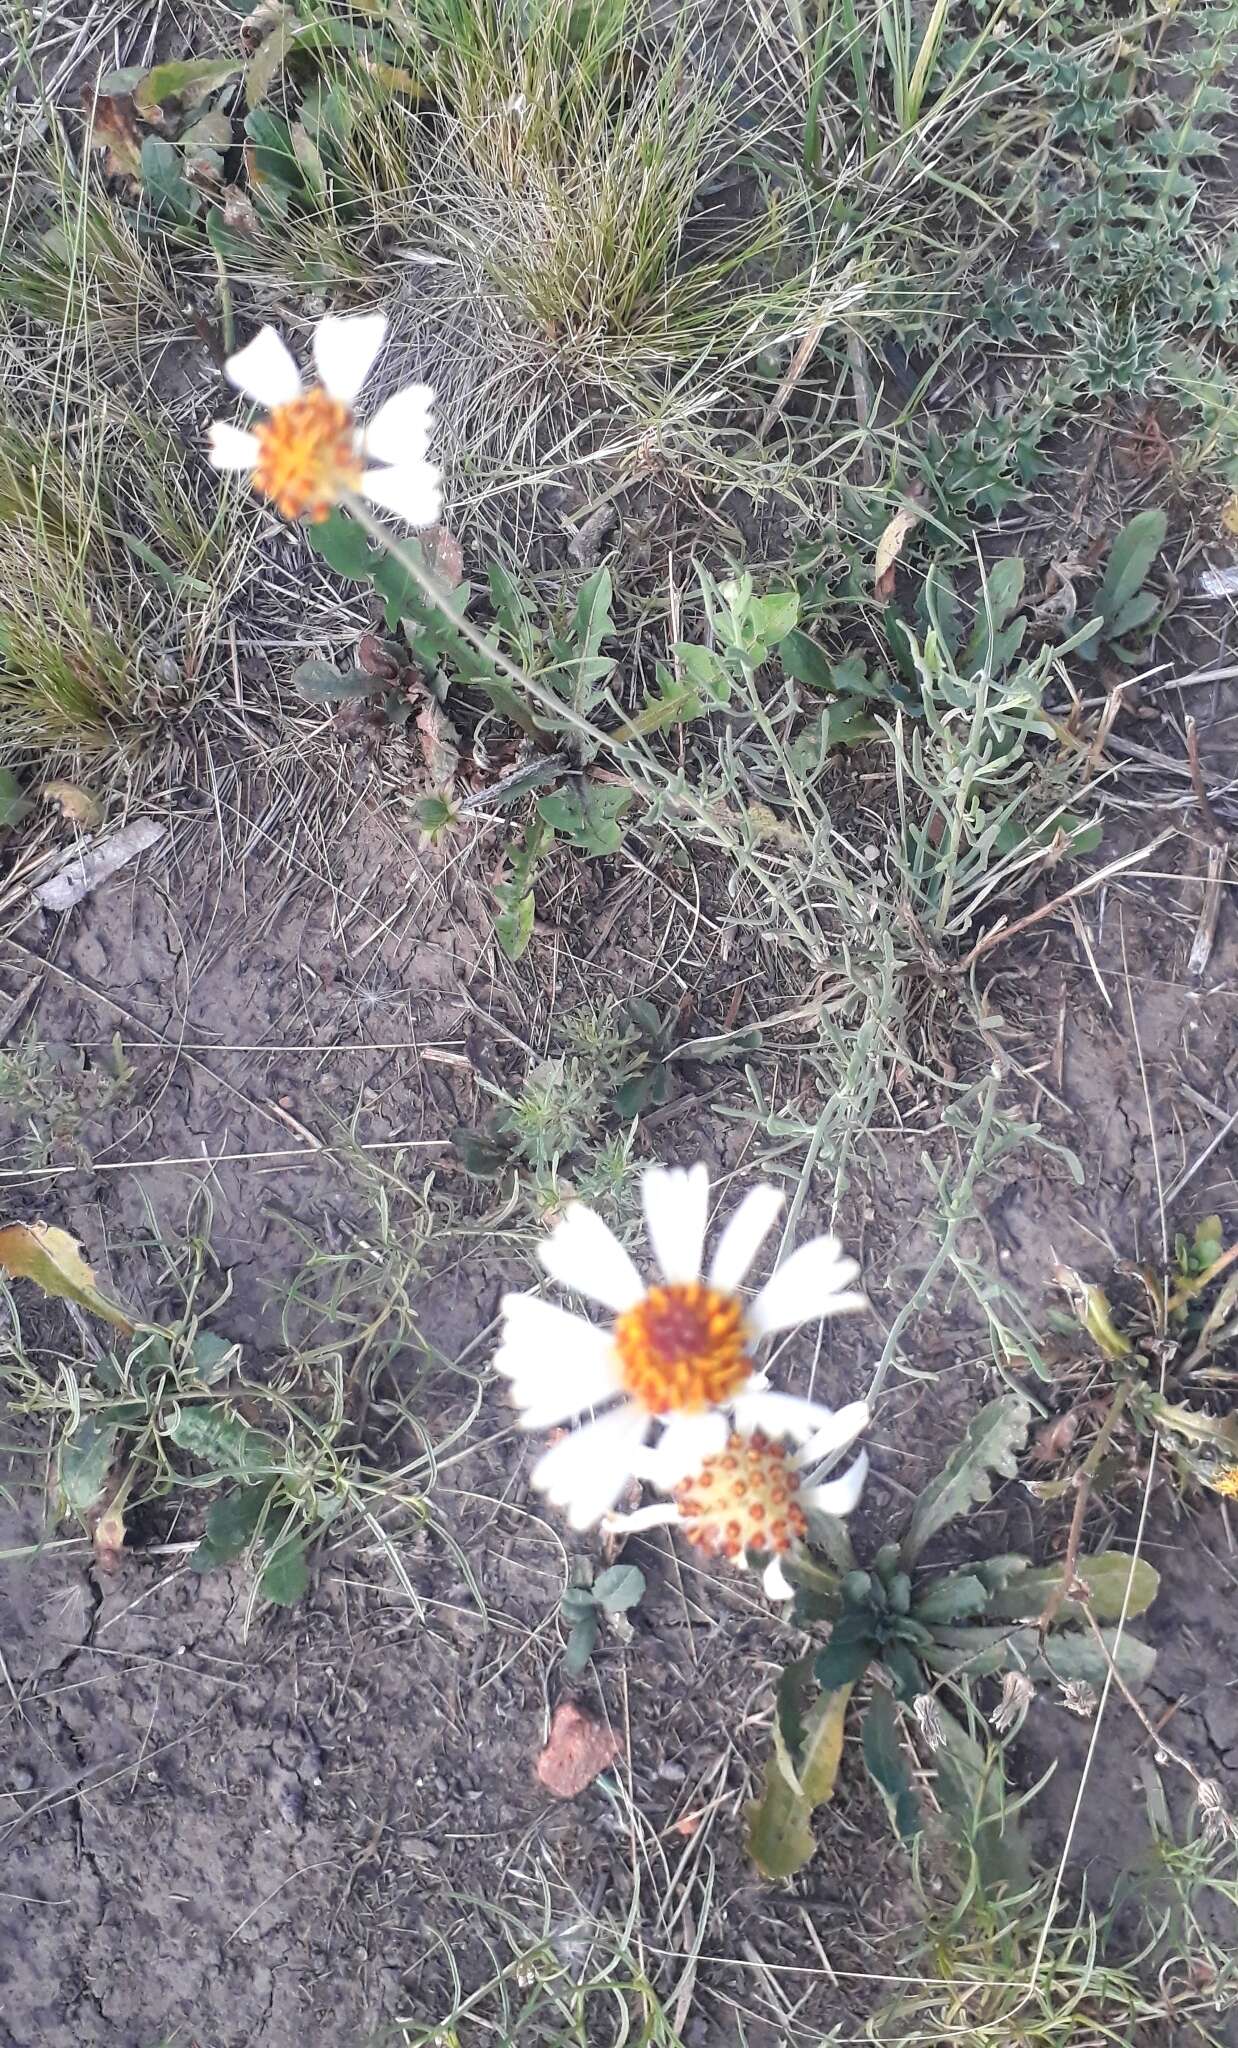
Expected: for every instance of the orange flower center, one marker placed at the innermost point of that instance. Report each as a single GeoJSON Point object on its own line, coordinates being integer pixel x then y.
{"type": "Point", "coordinates": [682, 1348]}
{"type": "Point", "coordinates": [745, 1498]}
{"type": "Point", "coordinates": [1226, 1482]}
{"type": "Point", "coordinates": [306, 455]}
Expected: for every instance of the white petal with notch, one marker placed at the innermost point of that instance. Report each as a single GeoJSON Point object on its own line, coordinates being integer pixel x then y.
{"type": "Point", "coordinates": [345, 350]}
{"type": "Point", "coordinates": [265, 371]}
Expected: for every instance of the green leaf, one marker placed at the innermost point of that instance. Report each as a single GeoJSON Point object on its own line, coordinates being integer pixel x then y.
{"type": "Point", "coordinates": [231, 1525]}
{"type": "Point", "coordinates": [285, 1575]}
{"type": "Point", "coordinates": [220, 1439]}
{"type": "Point", "coordinates": [85, 1461]}
{"type": "Point", "coordinates": [483, 1153]}
{"type": "Point", "coordinates": [903, 1669]}
{"type": "Point", "coordinates": [1070, 1654]}
{"type": "Point", "coordinates": [189, 80]}
{"type": "Point", "coordinates": [513, 927]}
{"type": "Point", "coordinates": [1130, 559]}
{"type": "Point", "coordinates": [804, 662]}
{"type": "Point", "coordinates": [581, 1643]}
{"type": "Point", "coordinates": [886, 1763]}
{"type": "Point", "coordinates": [268, 60]}
{"type": "Point", "coordinates": [780, 1838]}
{"type": "Point", "coordinates": [971, 1787]}
{"type": "Point", "coordinates": [164, 181]}
{"type": "Point", "coordinates": [588, 817]}
{"type": "Point", "coordinates": [514, 613]}
{"type": "Point", "coordinates": [577, 1601]}
{"type": "Point", "coordinates": [591, 625]}
{"type": "Point", "coordinates": [13, 805]}
{"type": "Point", "coordinates": [344, 546]}
{"type": "Point", "coordinates": [322, 683]}
{"type": "Point", "coordinates": [773, 617]}
{"type": "Point", "coordinates": [851, 1648]}
{"type": "Point", "coordinates": [1004, 588]}
{"type": "Point", "coordinates": [212, 1353]}
{"type": "Point", "coordinates": [274, 158]}
{"type": "Point", "coordinates": [1105, 1575]}
{"type": "Point", "coordinates": [952, 1598]}
{"type": "Point", "coordinates": [708, 676]}
{"type": "Point", "coordinates": [992, 1439]}
{"type": "Point", "coordinates": [619, 1588]}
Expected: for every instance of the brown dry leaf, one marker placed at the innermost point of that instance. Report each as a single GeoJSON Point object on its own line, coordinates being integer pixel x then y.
{"type": "Point", "coordinates": [439, 750]}
{"type": "Point", "coordinates": [376, 658]}
{"type": "Point", "coordinates": [890, 547]}
{"type": "Point", "coordinates": [445, 555]}
{"type": "Point", "coordinates": [114, 127]}
{"type": "Point", "coordinates": [239, 212]}
{"type": "Point", "coordinates": [1052, 1441]}
{"type": "Point", "coordinates": [578, 1749]}
{"type": "Point", "coordinates": [53, 1260]}
{"type": "Point", "coordinates": [76, 804]}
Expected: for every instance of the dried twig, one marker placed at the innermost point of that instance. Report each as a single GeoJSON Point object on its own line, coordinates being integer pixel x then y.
{"type": "Point", "coordinates": [1001, 930]}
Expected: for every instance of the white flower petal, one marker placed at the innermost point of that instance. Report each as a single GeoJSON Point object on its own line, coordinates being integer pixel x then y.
{"type": "Point", "coordinates": [410, 490]}
{"type": "Point", "coordinates": [744, 1234]}
{"type": "Point", "coordinates": [676, 1212]}
{"type": "Point", "coordinates": [663, 1514]}
{"type": "Point", "coordinates": [790, 1415]}
{"type": "Point", "coordinates": [344, 352]}
{"type": "Point", "coordinates": [838, 1496]}
{"type": "Point", "coordinates": [685, 1444]}
{"type": "Point", "coordinates": [265, 371]}
{"type": "Point", "coordinates": [400, 430]}
{"type": "Point", "coordinates": [586, 1471]}
{"type": "Point", "coordinates": [834, 1436]}
{"type": "Point", "coordinates": [812, 1282]}
{"type": "Point", "coordinates": [775, 1581]}
{"type": "Point", "coordinates": [581, 1253]}
{"type": "Point", "coordinates": [231, 447]}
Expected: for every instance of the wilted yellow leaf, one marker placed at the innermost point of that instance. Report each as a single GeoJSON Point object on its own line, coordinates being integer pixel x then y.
{"type": "Point", "coordinates": [53, 1260]}
{"type": "Point", "coordinates": [1229, 514]}
{"type": "Point", "coordinates": [76, 804]}
{"type": "Point", "coordinates": [890, 547]}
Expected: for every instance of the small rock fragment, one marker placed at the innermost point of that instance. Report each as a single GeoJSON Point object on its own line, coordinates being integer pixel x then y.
{"type": "Point", "coordinates": [577, 1750]}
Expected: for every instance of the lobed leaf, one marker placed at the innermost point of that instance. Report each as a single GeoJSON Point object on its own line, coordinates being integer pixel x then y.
{"type": "Point", "coordinates": [989, 1445]}
{"type": "Point", "coordinates": [780, 1838]}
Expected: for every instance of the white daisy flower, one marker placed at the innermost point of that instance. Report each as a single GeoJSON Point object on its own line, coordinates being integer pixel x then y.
{"type": "Point", "coordinates": [309, 450]}
{"type": "Point", "coordinates": [757, 1493]}
{"type": "Point", "coordinates": [677, 1356]}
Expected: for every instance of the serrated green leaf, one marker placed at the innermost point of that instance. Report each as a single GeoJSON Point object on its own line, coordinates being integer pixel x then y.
{"type": "Point", "coordinates": [220, 1438]}
{"type": "Point", "coordinates": [231, 1525]}
{"type": "Point", "coordinates": [619, 1587]}
{"type": "Point", "coordinates": [581, 1643]}
{"type": "Point", "coordinates": [774, 616]}
{"type": "Point", "coordinates": [85, 1461]}
{"type": "Point", "coordinates": [1130, 559]}
{"type": "Point", "coordinates": [588, 817]}
{"type": "Point", "coordinates": [978, 1652]}
{"type": "Point", "coordinates": [989, 1445]}
{"type": "Point", "coordinates": [780, 1838]}
{"type": "Point", "coordinates": [285, 1574]}
{"type": "Point", "coordinates": [887, 1765]}
{"type": "Point", "coordinates": [708, 676]}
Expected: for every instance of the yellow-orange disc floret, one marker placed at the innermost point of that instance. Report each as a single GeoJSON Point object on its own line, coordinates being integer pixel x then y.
{"type": "Point", "coordinates": [1226, 1482]}
{"type": "Point", "coordinates": [306, 455]}
{"type": "Point", "coordinates": [682, 1349]}
{"type": "Point", "coordinates": [745, 1498]}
